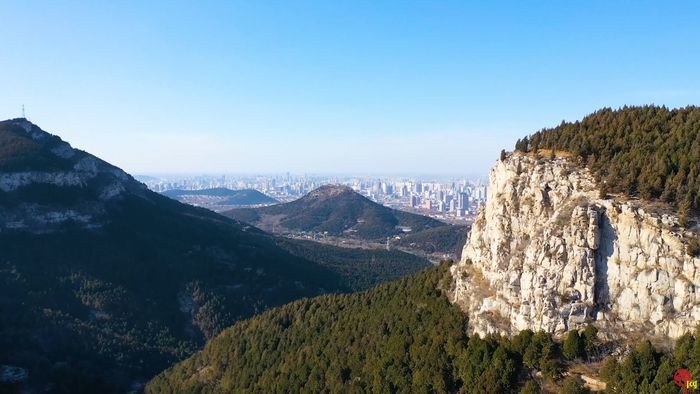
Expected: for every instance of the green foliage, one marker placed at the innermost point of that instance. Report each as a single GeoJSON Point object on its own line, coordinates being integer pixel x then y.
{"type": "Point", "coordinates": [108, 303]}
{"type": "Point", "coordinates": [402, 336]}
{"type": "Point", "coordinates": [540, 352]}
{"type": "Point", "coordinates": [651, 152]}
{"type": "Point", "coordinates": [359, 268]}
{"type": "Point", "coordinates": [647, 371]}
{"type": "Point", "coordinates": [590, 341]}
{"type": "Point", "coordinates": [531, 387]}
{"type": "Point", "coordinates": [573, 385]}
{"type": "Point", "coordinates": [145, 282]}
{"type": "Point", "coordinates": [445, 239]}
{"type": "Point", "coordinates": [522, 145]}
{"type": "Point", "coordinates": [573, 345]}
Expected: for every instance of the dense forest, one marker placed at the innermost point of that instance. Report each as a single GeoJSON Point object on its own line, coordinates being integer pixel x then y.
{"type": "Point", "coordinates": [404, 336]}
{"type": "Point", "coordinates": [359, 268]}
{"type": "Point", "coordinates": [445, 239]}
{"type": "Point", "coordinates": [101, 310]}
{"type": "Point", "coordinates": [105, 302]}
{"type": "Point", "coordinates": [222, 196]}
{"type": "Point", "coordinates": [648, 152]}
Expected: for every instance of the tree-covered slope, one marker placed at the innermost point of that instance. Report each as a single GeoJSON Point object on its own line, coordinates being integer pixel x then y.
{"type": "Point", "coordinates": [104, 283]}
{"type": "Point", "coordinates": [337, 210]}
{"type": "Point", "coordinates": [650, 152]}
{"type": "Point", "coordinates": [359, 268]}
{"type": "Point", "coordinates": [223, 196]}
{"type": "Point", "coordinates": [402, 336]}
{"type": "Point", "coordinates": [446, 239]}
{"type": "Point", "coordinates": [405, 336]}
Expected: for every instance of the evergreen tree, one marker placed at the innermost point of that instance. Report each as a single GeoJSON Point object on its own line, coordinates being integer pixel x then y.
{"type": "Point", "coordinates": [573, 385]}
{"type": "Point", "coordinates": [651, 152]}
{"type": "Point", "coordinates": [573, 345]}
{"type": "Point", "coordinates": [590, 334]}
{"type": "Point", "coordinates": [531, 387]}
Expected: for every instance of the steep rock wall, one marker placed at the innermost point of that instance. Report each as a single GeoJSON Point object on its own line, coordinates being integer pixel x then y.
{"type": "Point", "coordinates": [547, 253]}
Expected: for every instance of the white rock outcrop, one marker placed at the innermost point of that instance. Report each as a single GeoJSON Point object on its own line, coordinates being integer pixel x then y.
{"type": "Point", "coordinates": [81, 183]}
{"type": "Point", "coordinates": [546, 253]}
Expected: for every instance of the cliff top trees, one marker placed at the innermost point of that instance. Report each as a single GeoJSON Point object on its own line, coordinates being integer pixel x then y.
{"type": "Point", "coordinates": [650, 152]}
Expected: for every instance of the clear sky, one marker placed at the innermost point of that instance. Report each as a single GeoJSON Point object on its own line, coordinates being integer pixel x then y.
{"type": "Point", "coordinates": [334, 86]}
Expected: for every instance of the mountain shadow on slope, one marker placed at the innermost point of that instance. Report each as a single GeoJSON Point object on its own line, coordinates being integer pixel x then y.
{"type": "Point", "coordinates": [103, 283]}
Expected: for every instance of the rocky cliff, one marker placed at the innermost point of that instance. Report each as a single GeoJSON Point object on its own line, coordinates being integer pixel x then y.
{"type": "Point", "coordinates": [45, 184]}
{"type": "Point", "coordinates": [547, 253]}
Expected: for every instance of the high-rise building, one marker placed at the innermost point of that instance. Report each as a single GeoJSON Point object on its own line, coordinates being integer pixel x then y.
{"type": "Point", "coordinates": [377, 187]}
{"type": "Point", "coordinates": [387, 188]}
{"type": "Point", "coordinates": [463, 202]}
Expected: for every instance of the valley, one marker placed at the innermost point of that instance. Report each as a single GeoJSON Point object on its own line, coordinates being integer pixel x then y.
{"type": "Point", "coordinates": [561, 287]}
{"type": "Point", "coordinates": [105, 283]}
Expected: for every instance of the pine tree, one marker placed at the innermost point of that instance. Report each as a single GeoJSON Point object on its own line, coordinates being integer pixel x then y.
{"type": "Point", "coordinates": [603, 190]}
{"type": "Point", "coordinates": [573, 385]}
{"type": "Point", "coordinates": [573, 345]}
{"type": "Point", "coordinates": [531, 387]}
{"type": "Point", "coordinates": [590, 337]}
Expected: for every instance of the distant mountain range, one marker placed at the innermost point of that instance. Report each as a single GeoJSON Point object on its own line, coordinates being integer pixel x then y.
{"type": "Point", "coordinates": [220, 198]}
{"type": "Point", "coordinates": [104, 283]}
{"type": "Point", "coordinates": [338, 211]}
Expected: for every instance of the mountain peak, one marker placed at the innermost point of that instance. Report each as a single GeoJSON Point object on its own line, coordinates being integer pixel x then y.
{"type": "Point", "coordinates": [330, 191]}
{"type": "Point", "coordinates": [29, 128]}
{"type": "Point", "coordinates": [47, 182]}
{"type": "Point", "coordinates": [335, 210]}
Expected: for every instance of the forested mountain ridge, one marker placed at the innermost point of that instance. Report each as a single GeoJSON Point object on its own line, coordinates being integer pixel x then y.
{"type": "Point", "coordinates": [650, 152]}
{"type": "Point", "coordinates": [221, 197]}
{"type": "Point", "coordinates": [103, 283]}
{"type": "Point", "coordinates": [336, 210]}
{"type": "Point", "coordinates": [405, 336]}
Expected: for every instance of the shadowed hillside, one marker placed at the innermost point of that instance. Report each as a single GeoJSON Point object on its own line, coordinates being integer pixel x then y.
{"type": "Point", "coordinates": [103, 282]}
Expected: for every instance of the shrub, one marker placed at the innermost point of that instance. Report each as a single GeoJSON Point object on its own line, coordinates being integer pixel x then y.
{"type": "Point", "coordinates": [573, 385]}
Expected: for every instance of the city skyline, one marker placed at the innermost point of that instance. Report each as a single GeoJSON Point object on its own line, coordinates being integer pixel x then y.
{"type": "Point", "coordinates": [452, 200]}
{"type": "Point", "coordinates": [311, 86]}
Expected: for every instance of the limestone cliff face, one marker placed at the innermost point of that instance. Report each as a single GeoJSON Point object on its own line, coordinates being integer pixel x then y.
{"type": "Point", "coordinates": [45, 184]}
{"type": "Point", "coordinates": [547, 253]}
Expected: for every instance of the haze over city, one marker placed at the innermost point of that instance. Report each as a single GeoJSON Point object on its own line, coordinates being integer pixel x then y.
{"type": "Point", "coordinates": [390, 87]}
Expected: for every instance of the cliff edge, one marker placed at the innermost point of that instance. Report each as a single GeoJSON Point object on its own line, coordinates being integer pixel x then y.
{"type": "Point", "coordinates": [547, 253]}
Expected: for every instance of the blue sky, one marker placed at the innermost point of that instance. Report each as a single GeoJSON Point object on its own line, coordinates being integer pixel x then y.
{"type": "Point", "coordinates": [334, 86]}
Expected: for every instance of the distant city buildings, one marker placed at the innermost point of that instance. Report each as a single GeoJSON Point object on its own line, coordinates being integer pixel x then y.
{"type": "Point", "coordinates": [455, 200]}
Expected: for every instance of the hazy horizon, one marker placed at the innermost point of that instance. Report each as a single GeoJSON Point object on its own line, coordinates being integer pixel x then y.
{"type": "Point", "coordinates": [318, 87]}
